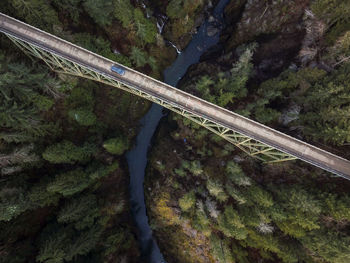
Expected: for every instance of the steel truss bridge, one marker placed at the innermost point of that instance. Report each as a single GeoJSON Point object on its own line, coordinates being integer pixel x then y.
{"type": "Point", "coordinates": [255, 139]}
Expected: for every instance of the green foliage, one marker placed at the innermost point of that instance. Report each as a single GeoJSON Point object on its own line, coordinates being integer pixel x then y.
{"type": "Point", "coordinates": [228, 86]}
{"type": "Point", "coordinates": [180, 172]}
{"type": "Point", "coordinates": [67, 152]}
{"type": "Point", "coordinates": [12, 203]}
{"type": "Point", "coordinates": [236, 194]}
{"type": "Point", "coordinates": [231, 224]}
{"type": "Point", "coordinates": [52, 250]}
{"type": "Point", "coordinates": [241, 72]}
{"type": "Point", "coordinates": [80, 97]}
{"type": "Point", "coordinates": [182, 14]}
{"type": "Point", "coordinates": [71, 7]}
{"type": "Point", "coordinates": [39, 195]}
{"type": "Point", "coordinates": [338, 207]}
{"type": "Point", "coordinates": [21, 155]}
{"type": "Point", "coordinates": [97, 170]}
{"type": "Point", "coordinates": [83, 116]}
{"type": "Point", "coordinates": [145, 29]}
{"type": "Point", "coordinates": [82, 210]}
{"type": "Point", "coordinates": [327, 106]}
{"type": "Point", "coordinates": [138, 57]}
{"type": "Point", "coordinates": [81, 104]}
{"type": "Point", "coordinates": [328, 246]}
{"type": "Point", "coordinates": [324, 101]}
{"type": "Point", "coordinates": [116, 145]}
{"type": "Point", "coordinates": [134, 20]}
{"type": "Point", "coordinates": [203, 86]}
{"type": "Point", "coordinates": [69, 183]}
{"type": "Point", "coordinates": [195, 168]}
{"type": "Point", "coordinates": [260, 196]}
{"type": "Point", "coordinates": [297, 212]}
{"type": "Point", "coordinates": [84, 243]}
{"type": "Point", "coordinates": [41, 116]}
{"type": "Point", "coordinates": [253, 217]}
{"type": "Point", "coordinates": [216, 189]}
{"type": "Point", "coordinates": [24, 92]}
{"type": "Point", "coordinates": [278, 89]}
{"type": "Point", "coordinates": [236, 174]}
{"type": "Point", "coordinates": [37, 13]}
{"type": "Point", "coordinates": [239, 254]}
{"type": "Point", "coordinates": [118, 241]}
{"type": "Point", "coordinates": [201, 221]}
{"type": "Point", "coordinates": [339, 53]}
{"type": "Point", "coordinates": [221, 249]}
{"type": "Point", "coordinates": [175, 9]}
{"type": "Point", "coordinates": [187, 201]}
{"type": "Point", "coordinates": [101, 11]}
{"type": "Point", "coordinates": [335, 13]}
{"type": "Point", "coordinates": [21, 118]}
{"type": "Point", "coordinates": [62, 244]}
{"type": "Point", "coordinates": [124, 12]}
{"type": "Point", "coordinates": [287, 251]}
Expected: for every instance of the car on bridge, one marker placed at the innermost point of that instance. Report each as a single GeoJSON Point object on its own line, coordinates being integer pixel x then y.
{"type": "Point", "coordinates": [117, 69]}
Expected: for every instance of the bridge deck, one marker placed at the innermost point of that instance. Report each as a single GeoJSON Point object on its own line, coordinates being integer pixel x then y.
{"type": "Point", "coordinates": [195, 105]}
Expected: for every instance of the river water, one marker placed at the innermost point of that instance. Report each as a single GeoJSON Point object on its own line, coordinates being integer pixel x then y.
{"type": "Point", "coordinates": [137, 157]}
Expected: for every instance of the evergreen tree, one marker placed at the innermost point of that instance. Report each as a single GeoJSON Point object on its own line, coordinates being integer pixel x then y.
{"type": "Point", "coordinates": [187, 201]}
{"type": "Point", "coordinates": [82, 210]}
{"type": "Point", "coordinates": [145, 29]}
{"type": "Point", "coordinates": [236, 174]}
{"type": "Point", "coordinates": [12, 203]}
{"type": "Point", "coordinates": [216, 189]}
{"type": "Point", "coordinates": [221, 249]}
{"type": "Point", "coordinates": [84, 116]}
{"type": "Point", "coordinates": [231, 224]}
{"type": "Point", "coordinates": [39, 196]}
{"type": "Point", "coordinates": [101, 11]}
{"type": "Point", "coordinates": [338, 206]}
{"type": "Point", "coordinates": [32, 13]}
{"type": "Point", "coordinates": [69, 183]}
{"type": "Point", "coordinates": [84, 243]}
{"type": "Point", "coordinates": [138, 57]}
{"type": "Point", "coordinates": [260, 196]}
{"type": "Point", "coordinates": [328, 246]}
{"type": "Point", "coordinates": [67, 152]}
{"type": "Point", "coordinates": [124, 12]}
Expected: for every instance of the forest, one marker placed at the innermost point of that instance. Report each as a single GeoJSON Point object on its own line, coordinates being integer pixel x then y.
{"type": "Point", "coordinates": [208, 201]}
{"type": "Point", "coordinates": [64, 178]}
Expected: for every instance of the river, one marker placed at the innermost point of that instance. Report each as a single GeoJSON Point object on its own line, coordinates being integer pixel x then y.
{"type": "Point", "coordinates": [207, 36]}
